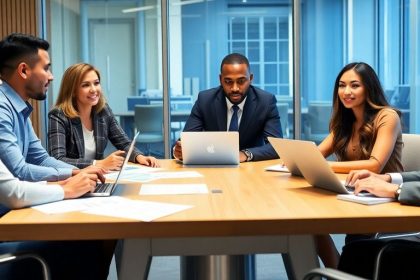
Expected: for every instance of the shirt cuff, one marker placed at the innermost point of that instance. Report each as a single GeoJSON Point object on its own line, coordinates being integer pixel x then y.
{"type": "Point", "coordinates": [64, 173]}
{"type": "Point", "coordinates": [396, 178]}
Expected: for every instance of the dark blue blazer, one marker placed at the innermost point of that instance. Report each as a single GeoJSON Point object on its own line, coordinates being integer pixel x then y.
{"type": "Point", "coordinates": [259, 120]}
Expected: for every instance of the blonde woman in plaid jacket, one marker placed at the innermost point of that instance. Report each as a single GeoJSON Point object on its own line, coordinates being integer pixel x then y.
{"type": "Point", "coordinates": [81, 123]}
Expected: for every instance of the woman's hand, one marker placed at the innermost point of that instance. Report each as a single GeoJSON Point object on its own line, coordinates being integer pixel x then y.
{"type": "Point", "coordinates": [112, 162]}
{"type": "Point", "coordinates": [147, 160]}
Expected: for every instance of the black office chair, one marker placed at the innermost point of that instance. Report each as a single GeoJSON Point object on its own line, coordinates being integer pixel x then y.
{"type": "Point", "coordinates": [5, 258]}
{"type": "Point", "coordinates": [396, 259]}
{"type": "Point", "coordinates": [329, 273]}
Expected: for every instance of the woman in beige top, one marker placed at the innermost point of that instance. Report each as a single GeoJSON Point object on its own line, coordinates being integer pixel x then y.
{"type": "Point", "coordinates": [365, 133]}
{"type": "Point", "coordinates": [365, 130]}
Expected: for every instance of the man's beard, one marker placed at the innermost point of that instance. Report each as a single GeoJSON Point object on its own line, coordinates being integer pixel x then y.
{"type": "Point", "coordinates": [38, 96]}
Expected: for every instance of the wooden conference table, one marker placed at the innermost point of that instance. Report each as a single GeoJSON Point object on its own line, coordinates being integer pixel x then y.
{"type": "Point", "coordinates": [248, 210]}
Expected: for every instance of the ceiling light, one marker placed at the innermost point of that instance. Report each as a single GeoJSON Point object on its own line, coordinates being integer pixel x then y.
{"type": "Point", "coordinates": [138, 9]}
{"type": "Point", "coordinates": [187, 2]}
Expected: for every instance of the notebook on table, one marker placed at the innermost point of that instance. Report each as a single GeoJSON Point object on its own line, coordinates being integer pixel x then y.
{"type": "Point", "coordinates": [305, 157]}
{"type": "Point", "coordinates": [210, 148]}
{"type": "Point", "coordinates": [106, 189]}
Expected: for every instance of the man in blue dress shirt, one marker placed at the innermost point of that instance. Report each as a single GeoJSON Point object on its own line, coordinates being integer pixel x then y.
{"type": "Point", "coordinates": [25, 74]}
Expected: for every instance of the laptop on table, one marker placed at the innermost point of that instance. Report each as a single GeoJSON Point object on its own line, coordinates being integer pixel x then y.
{"type": "Point", "coordinates": [106, 189]}
{"type": "Point", "coordinates": [305, 157]}
{"type": "Point", "coordinates": [210, 148]}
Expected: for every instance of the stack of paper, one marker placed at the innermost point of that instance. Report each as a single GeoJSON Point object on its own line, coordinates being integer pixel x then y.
{"type": "Point", "coordinates": [368, 200]}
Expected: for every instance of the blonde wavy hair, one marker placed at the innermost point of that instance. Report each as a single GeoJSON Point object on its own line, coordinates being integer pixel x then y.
{"type": "Point", "coordinates": [70, 83]}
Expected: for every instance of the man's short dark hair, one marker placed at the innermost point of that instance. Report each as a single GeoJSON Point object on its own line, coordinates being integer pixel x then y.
{"type": "Point", "coordinates": [234, 58]}
{"type": "Point", "coordinates": [17, 47]}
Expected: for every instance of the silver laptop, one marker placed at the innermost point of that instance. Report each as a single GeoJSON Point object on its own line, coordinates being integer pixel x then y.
{"type": "Point", "coordinates": [210, 148]}
{"type": "Point", "coordinates": [106, 189]}
{"type": "Point", "coordinates": [286, 156]}
{"type": "Point", "coordinates": [305, 157]}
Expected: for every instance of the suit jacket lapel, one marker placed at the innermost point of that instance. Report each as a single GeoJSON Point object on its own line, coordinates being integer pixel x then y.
{"type": "Point", "coordinates": [98, 130]}
{"type": "Point", "coordinates": [78, 136]}
{"type": "Point", "coordinates": [249, 111]}
{"type": "Point", "coordinates": [221, 110]}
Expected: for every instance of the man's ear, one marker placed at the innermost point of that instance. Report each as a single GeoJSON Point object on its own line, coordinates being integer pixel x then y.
{"type": "Point", "coordinates": [22, 70]}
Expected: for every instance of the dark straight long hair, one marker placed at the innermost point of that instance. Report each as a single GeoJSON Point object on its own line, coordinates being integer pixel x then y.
{"type": "Point", "coordinates": [342, 120]}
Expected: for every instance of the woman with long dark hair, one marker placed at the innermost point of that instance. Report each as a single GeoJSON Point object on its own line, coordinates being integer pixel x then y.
{"type": "Point", "coordinates": [365, 133]}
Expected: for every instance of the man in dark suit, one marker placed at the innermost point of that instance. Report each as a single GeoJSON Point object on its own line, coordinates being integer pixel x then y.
{"type": "Point", "coordinates": [400, 261]}
{"type": "Point", "coordinates": [253, 111]}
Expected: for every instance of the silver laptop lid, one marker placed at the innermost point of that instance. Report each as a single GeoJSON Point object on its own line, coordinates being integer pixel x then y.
{"type": "Point", "coordinates": [210, 147]}
{"type": "Point", "coordinates": [114, 185]}
{"type": "Point", "coordinates": [127, 156]}
{"type": "Point", "coordinates": [311, 163]}
{"type": "Point", "coordinates": [285, 154]}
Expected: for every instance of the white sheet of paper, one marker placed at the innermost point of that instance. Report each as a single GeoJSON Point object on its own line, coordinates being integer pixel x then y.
{"type": "Point", "coordinates": [138, 210]}
{"type": "Point", "coordinates": [277, 168]}
{"type": "Point", "coordinates": [136, 176]}
{"type": "Point", "coordinates": [132, 170]}
{"type": "Point", "coordinates": [364, 199]}
{"type": "Point", "coordinates": [161, 189]}
{"type": "Point", "coordinates": [71, 205]}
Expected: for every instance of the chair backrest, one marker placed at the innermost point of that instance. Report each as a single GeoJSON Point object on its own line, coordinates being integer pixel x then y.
{"type": "Point", "coordinates": [400, 97]}
{"type": "Point", "coordinates": [410, 158]}
{"type": "Point", "coordinates": [319, 115]}
{"type": "Point", "coordinates": [283, 109]}
{"type": "Point", "coordinates": [148, 118]}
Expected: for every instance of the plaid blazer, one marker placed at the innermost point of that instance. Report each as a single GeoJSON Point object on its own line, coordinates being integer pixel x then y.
{"type": "Point", "coordinates": [65, 137]}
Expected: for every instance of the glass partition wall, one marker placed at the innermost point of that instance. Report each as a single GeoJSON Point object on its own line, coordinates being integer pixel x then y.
{"type": "Point", "coordinates": [147, 59]}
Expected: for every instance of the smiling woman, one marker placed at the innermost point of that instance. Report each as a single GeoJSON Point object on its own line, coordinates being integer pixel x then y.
{"type": "Point", "coordinates": [365, 133]}
{"type": "Point", "coordinates": [81, 124]}
{"type": "Point", "coordinates": [361, 116]}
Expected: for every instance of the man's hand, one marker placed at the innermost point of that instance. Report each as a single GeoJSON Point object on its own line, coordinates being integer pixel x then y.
{"type": "Point", "coordinates": [375, 185]}
{"type": "Point", "coordinates": [112, 162]}
{"type": "Point", "coordinates": [91, 169]}
{"type": "Point", "coordinates": [79, 184]}
{"type": "Point", "coordinates": [148, 161]}
{"type": "Point", "coordinates": [355, 175]}
{"type": "Point", "coordinates": [242, 156]}
{"type": "Point", "coordinates": [177, 150]}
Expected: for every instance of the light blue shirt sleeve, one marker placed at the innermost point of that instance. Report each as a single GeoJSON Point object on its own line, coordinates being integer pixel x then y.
{"type": "Point", "coordinates": [17, 194]}
{"type": "Point", "coordinates": [21, 150]}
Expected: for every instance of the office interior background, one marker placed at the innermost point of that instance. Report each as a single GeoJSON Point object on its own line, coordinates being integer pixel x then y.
{"type": "Point", "coordinates": [165, 52]}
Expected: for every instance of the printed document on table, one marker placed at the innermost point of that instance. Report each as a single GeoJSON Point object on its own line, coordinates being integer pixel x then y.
{"type": "Point", "coordinates": [132, 169]}
{"type": "Point", "coordinates": [164, 189]}
{"type": "Point", "coordinates": [136, 176]}
{"type": "Point", "coordinates": [79, 204]}
{"type": "Point", "coordinates": [277, 168]}
{"type": "Point", "coordinates": [137, 209]}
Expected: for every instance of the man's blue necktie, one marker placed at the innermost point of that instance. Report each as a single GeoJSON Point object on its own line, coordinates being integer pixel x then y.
{"type": "Point", "coordinates": [234, 121]}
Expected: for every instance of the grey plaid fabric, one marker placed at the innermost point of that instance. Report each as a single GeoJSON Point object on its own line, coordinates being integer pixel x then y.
{"type": "Point", "coordinates": [65, 137]}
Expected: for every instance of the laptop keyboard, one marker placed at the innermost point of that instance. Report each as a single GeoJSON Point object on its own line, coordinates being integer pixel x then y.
{"type": "Point", "coordinates": [349, 188]}
{"type": "Point", "coordinates": [103, 187]}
